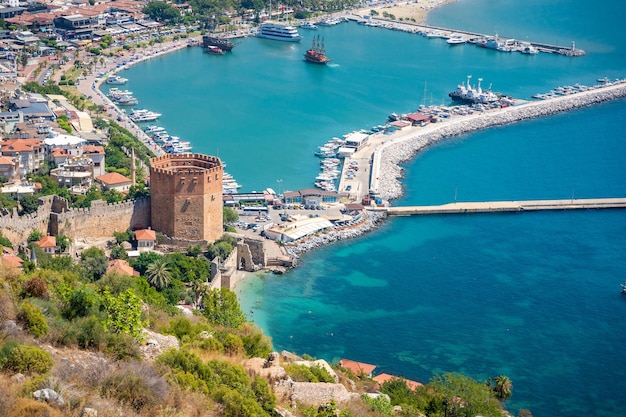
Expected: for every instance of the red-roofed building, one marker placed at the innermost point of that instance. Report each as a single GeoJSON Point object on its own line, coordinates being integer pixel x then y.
{"type": "Point", "coordinates": [146, 239]}
{"type": "Point", "coordinates": [7, 167]}
{"type": "Point", "coordinates": [418, 118]}
{"type": "Point", "coordinates": [96, 154]}
{"type": "Point", "coordinates": [12, 260]}
{"type": "Point", "coordinates": [121, 267]}
{"type": "Point", "coordinates": [30, 152]}
{"type": "Point", "coordinates": [357, 368]}
{"type": "Point", "coordinates": [114, 181]}
{"type": "Point", "coordinates": [382, 378]}
{"type": "Point", "coordinates": [400, 124]}
{"type": "Point", "coordinates": [48, 244]}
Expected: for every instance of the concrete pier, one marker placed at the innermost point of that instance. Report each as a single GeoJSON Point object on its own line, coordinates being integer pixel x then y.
{"type": "Point", "coordinates": [474, 37]}
{"type": "Point", "coordinates": [508, 206]}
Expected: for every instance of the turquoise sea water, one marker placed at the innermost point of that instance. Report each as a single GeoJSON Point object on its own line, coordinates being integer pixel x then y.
{"type": "Point", "coordinates": [534, 296]}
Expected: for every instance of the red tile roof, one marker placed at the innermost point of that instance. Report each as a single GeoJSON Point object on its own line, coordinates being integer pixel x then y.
{"type": "Point", "coordinates": [12, 260]}
{"type": "Point", "coordinates": [357, 368]}
{"type": "Point", "coordinates": [417, 117]}
{"type": "Point", "coordinates": [121, 267]}
{"type": "Point", "coordinates": [112, 178]}
{"type": "Point", "coordinates": [19, 145]}
{"type": "Point", "coordinates": [6, 160]}
{"type": "Point", "coordinates": [145, 234]}
{"type": "Point", "coordinates": [93, 149]}
{"type": "Point", "coordinates": [47, 242]}
{"type": "Point", "coordinates": [382, 378]}
{"type": "Point", "coordinates": [59, 152]}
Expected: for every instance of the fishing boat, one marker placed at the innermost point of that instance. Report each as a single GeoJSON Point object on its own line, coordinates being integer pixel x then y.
{"type": "Point", "coordinates": [308, 25]}
{"type": "Point", "coordinates": [623, 288]}
{"type": "Point", "coordinates": [222, 43]}
{"type": "Point", "coordinates": [456, 40]}
{"type": "Point", "coordinates": [316, 54]}
{"type": "Point", "coordinates": [470, 94]}
{"type": "Point", "coordinates": [214, 50]}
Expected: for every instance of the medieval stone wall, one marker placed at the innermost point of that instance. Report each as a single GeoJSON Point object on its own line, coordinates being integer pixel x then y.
{"type": "Point", "coordinates": [101, 219]}
{"type": "Point", "coordinates": [17, 228]}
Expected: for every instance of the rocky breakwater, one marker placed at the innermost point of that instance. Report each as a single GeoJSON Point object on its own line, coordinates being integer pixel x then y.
{"type": "Point", "coordinates": [404, 148]}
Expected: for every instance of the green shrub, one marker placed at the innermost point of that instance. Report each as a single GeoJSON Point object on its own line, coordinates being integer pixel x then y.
{"type": "Point", "coordinates": [36, 287]}
{"type": "Point", "coordinates": [28, 359]}
{"type": "Point", "coordinates": [122, 346]}
{"type": "Point", "coordinates": [32, 319]}
{"type": "Point", "coordinates": [137, 385]}
{"type": "Point", "coordinates": [211, 344]}
{"type": "Point", "coordinates": [85, 332]}
{"type": "Point", "coordinates": [232, 344]}
{"type": "Point", "coordinates": [231, 375]}
{"type": "Point", "coordinates": [263, 394]}
{"type": "Point", "coordinates": [303, 373]}
{"type": "Point", "coordinates": [190, 382]}
{"type": "Point", "coordinates": [6, 349]}
{"type": "Point", "coordinates": [236, 404]}
{"type": "Point", "coordinates": [25, 407]}
{"type": "Point", "coordinates": [256, 344]}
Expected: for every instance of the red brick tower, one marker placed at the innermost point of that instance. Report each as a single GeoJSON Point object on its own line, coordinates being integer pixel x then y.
{"type": "Point", "coordinates": [186, 196]}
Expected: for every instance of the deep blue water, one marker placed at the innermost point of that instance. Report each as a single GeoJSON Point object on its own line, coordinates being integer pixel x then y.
{"type": "Point", "coordinates": [534, 296]}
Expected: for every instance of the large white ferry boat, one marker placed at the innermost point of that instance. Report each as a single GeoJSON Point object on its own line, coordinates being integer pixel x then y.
{"type": "Point", "coordinates": [278, 32]}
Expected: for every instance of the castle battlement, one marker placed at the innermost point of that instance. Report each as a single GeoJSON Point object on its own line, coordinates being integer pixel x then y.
{"type": "Point", "coordinates": [186, 164]}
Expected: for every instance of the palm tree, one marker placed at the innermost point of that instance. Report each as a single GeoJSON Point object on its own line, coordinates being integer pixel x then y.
{"type": "Point", "coordinates": [158, 273]}
{"type": "Point", "coordinates": [503, 387]}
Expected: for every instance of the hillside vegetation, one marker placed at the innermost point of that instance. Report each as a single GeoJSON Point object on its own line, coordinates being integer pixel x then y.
{"type": "Point", "coordinates": [77, 341]}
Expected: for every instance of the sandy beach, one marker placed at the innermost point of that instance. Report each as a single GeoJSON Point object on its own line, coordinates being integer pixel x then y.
{"type": "Point", "coordinates": [415, 12]}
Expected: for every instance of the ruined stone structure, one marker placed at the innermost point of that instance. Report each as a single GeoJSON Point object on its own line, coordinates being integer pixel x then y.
{"type": "Point", "coordinates": [186, 193]}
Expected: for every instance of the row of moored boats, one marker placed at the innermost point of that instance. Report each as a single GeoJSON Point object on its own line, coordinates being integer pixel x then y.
{"type": "Point", "coordinates": [573, 89]}
{"type": "Point", "coordinates": [170, 144]}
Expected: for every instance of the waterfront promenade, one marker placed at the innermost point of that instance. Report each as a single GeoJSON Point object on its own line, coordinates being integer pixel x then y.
{"type": "Point", "coordinates": [508, 206]}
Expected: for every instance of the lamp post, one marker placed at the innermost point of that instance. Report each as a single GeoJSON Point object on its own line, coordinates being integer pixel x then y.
{"type": "Point", "coordinates": [279, 182]}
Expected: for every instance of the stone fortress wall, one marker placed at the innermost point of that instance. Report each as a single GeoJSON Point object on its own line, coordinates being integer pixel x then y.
{"type": "Point", "coordinates": [54, 217]}
{"type": "Point", "coordinates": [101, 219]}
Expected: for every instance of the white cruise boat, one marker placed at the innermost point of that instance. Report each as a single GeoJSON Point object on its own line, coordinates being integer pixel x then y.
{"type": "Point", "coordinates": [278, 32]}
{"type": "Point", "coordinates": [143, 115]}
{"type": "Point", "coordinates": [308, 25]}
{"type": "Point", "coordinates": [117, 80]}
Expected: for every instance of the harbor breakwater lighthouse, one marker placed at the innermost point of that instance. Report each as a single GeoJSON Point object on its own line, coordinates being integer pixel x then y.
{"type": "Point", "coordinates": [186, 196]}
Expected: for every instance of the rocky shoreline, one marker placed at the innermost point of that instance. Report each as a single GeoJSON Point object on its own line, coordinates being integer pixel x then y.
{"type": "Point", "coordinates": [404, 149]}
{"type": "Point", "coordinates": [371, 221]}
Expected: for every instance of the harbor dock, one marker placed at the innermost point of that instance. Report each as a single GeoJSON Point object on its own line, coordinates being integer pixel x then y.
{"type": "Point", "coordinates": [496, 42]}
{"type": "Point", "coordinates": [508, 206]}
